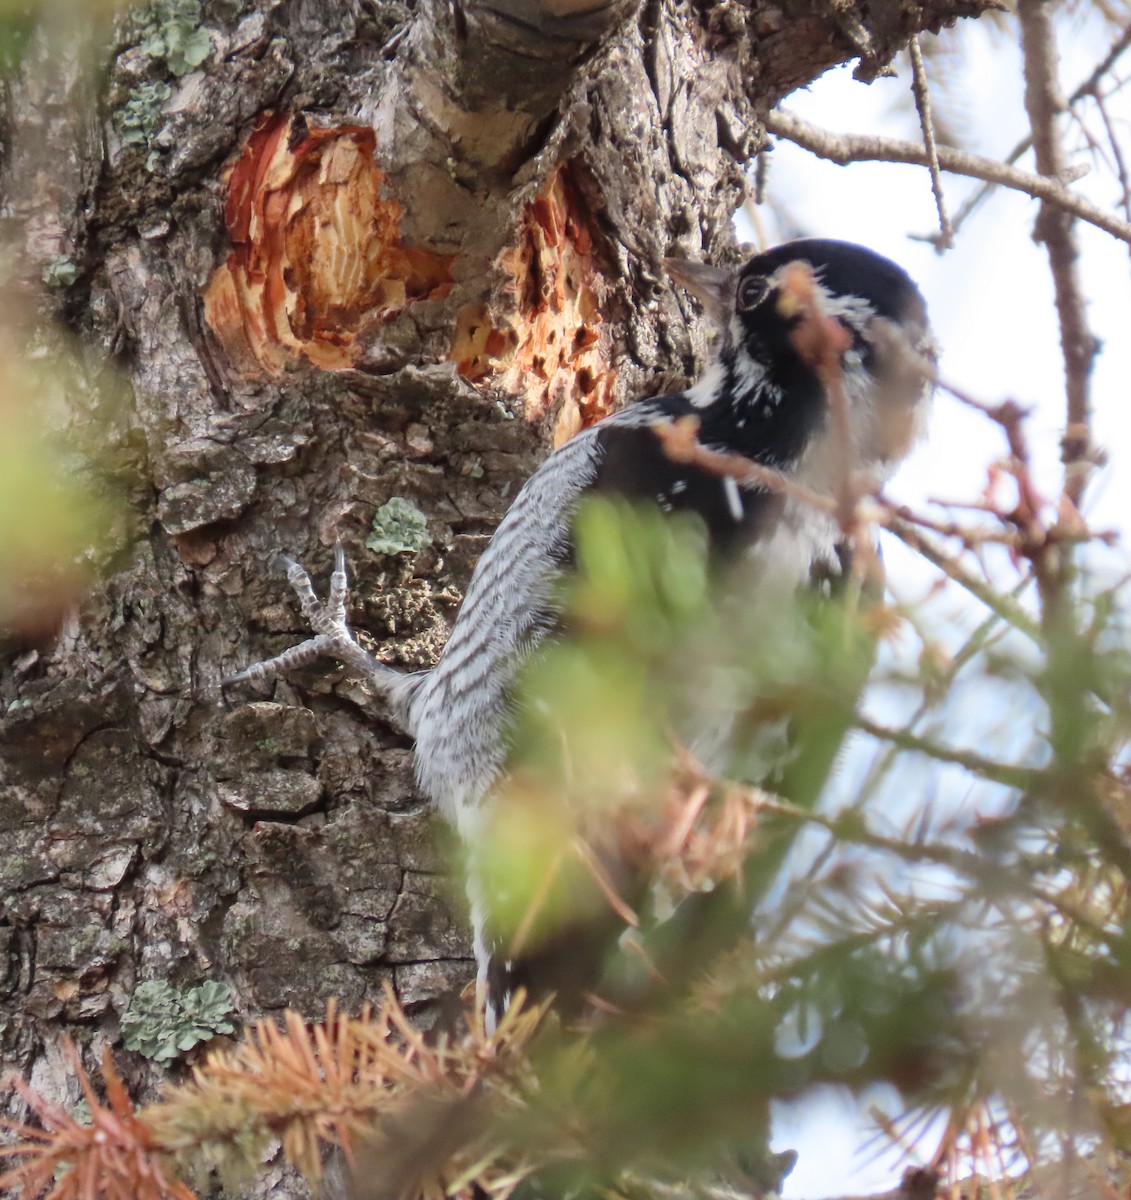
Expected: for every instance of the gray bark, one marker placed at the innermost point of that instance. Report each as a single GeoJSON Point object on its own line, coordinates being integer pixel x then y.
{"type": "Point", "coordinates": [151, 827]}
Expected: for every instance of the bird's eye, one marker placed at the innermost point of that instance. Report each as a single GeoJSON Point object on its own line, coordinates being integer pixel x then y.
{"type": "Point", "coordinates": [751, 292]}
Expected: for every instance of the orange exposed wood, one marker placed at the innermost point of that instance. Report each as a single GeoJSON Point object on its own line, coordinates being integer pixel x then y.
{"type": "Point", "coordinates": [552, 348]}
{"type": "Point", "coordinates": [316, 252]}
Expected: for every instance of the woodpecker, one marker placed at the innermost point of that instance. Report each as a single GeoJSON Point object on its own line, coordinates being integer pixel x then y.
{"type": "Point", "coordinates": [760, 398]}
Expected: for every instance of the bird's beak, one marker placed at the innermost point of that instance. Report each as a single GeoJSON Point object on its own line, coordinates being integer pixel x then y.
{"type": "Point", "coordinates": [709, 285]}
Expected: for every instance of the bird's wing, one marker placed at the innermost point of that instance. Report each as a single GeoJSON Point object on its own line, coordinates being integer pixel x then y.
{"type": "Point", "coordinates": [633, 463]}
{"type": "Point", "coordinates": [459, 711]}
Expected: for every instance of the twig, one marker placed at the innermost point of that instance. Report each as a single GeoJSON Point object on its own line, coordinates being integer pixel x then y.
{"type": "Point", "coordinates": [820, 341]}
{"type": "Point", "coordinates": [921, 92]}
{"type": "Point", "coordinates": [849, 148]}
{"type": "Point", "coordinates": [1027, 516]}
{"type": "Point", "coordinates": [976, 764]}
{"type": "Point", "coordinates": [679, 831]}
{"type": "Point", "coordinates": [1038, 539]}
{"type": "Point", "coordinates": [1119, 163]}
{"type": "Point", "coordinates": [1088, 87]}
{"type": "Point", "coordinates": [679, 441]}
{"type": "Point", "coordinates": [970, 535]}
{"type": "Point", "coordinates": [601, 878]}
{"type": "Point", "coordinates": [852, 830]}
{"type": "Point", "coordinates": [1043, 103]}
{"type": "Point", "coordinates": [1005, 608]}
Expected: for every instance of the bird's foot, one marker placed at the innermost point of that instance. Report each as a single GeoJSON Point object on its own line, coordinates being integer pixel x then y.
{"type": "Point", "coordinates": [333, 637]}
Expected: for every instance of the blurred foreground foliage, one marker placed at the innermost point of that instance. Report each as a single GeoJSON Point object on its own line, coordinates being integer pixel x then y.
{"type": "Point", "coordinates": [69, 465]}
{"type": "Point", "coordinates": [20, 20]}
{"type": "Point", "coordinates": [62, 498]}
{"type": "Point", "coordinates": [943, 912]}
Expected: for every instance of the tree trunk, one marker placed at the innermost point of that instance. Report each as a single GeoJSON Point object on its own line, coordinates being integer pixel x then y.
{"type": "Point", "coordinates": [361, 251]}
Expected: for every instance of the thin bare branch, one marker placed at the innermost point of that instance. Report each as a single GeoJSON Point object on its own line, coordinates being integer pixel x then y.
{"type": "Point", "coordinates": [1088, 87]}
{"type": "Point", "coordinates": [1044, 103]}
{"type": "Point", "coordinates": [977, 764]}
{"type": "Point", "coordinates": [921, 92]}
{"type": "Point", "coordinates": [852, 830]}
{"type": "Point", "coordinates": [1119, 163]}
{"type": "Point", "coordinates": [1006, 608]}
{"type": "Point", "coordinates": [843, 148]}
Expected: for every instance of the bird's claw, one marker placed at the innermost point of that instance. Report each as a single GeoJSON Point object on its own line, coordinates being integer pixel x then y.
{"type": "Point", "coordinates": [333, 637]}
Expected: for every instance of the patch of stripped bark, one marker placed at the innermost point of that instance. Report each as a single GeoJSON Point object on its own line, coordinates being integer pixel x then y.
{"type": "Point", "coordinates": [316, 254]}
{"type": "Point", "coordinates": [552, 348]}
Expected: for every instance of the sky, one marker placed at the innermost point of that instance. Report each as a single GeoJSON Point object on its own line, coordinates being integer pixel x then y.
{"type": "Point", "coordinates": [990, 299]}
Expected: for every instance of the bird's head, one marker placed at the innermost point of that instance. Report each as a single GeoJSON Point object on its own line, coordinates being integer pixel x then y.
{"type": "Point", "coordinates": [763, 395]}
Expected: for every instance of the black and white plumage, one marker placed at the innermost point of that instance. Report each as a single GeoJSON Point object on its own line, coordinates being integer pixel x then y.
{"type": "Point", "coordinates": [759, 399]}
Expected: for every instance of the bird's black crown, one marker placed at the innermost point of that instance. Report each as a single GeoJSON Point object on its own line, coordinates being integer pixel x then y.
{"type": "Point", "coordinates": [763, 398]}
{"type": "Point", "coordinates": [847, 270]}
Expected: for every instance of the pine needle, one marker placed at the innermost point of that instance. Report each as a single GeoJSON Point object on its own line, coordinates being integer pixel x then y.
{"type": "Point", "coordinates": [115, 1157]}
{"type": "Point", "coordinates": [311, 1085]}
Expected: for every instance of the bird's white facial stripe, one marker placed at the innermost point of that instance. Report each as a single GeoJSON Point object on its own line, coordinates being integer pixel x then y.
{"type": "Point", "coordinates": [882, 424]}
{"type": "Point", "coordinates": [749, 373]}
{"type": "Point", "coordinates": [852, 311]}
{"type": "Point", "coordinates": [849, 310]}
{"type": "Point", "coordinates": [707, 390]}
{"type": "Point", "coordinates": [927, 346]}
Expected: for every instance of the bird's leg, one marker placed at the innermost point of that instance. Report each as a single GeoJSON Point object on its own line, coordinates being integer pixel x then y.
{"type": "Point", "coordinates": [333, 637]}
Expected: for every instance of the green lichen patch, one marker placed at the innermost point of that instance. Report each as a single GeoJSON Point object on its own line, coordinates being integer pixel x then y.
{"type": "Point", "coordinates": [170, 35]}
{"type": "Point", "coordinates": [163, 1022]}
{"type": "Point", "coordinates": [138, 118]}
{"type": "Point", "coordinates": [398, 527]}
{"type": "Point", "coordinates": [60, 273]}
{"type": "Point", "coordinates": [171, 31]}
